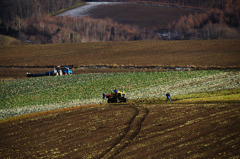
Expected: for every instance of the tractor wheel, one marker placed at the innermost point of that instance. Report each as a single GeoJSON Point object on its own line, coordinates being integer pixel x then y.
{"type": "Point", "coordinates": [114, 100]}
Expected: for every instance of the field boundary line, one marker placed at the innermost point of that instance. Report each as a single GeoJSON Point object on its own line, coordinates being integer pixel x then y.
{"type": "Point", "coordinates": [112, 66]}
{"type": "Point", "coordinates": [42, 113]}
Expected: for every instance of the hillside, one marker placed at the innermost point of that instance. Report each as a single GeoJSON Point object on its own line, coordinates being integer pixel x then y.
{"type": "Point", "coordinates": [209, 4]}
{"type": "Point", "coordinates": [126, 131]}
{"type": "Point", "coordinates": [145, 16]}
{"type": "Point", "coordinates": [199, 125]}
{"type": "Point", "coordinates": [30, 20]}
{"type": "Point", "coordinates": [6, 40]}
{"type": "Point", "coordinates": [67, 116]}
{"type": "Point", "coordinates": [200, 53]}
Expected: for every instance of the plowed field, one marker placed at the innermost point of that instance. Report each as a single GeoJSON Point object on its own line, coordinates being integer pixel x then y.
{"type": "Point", "coordinates": [127, 131]}
{"type": "Point", "coordinates": [198, 53]}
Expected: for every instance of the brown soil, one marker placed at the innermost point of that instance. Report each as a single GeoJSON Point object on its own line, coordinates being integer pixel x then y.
{"type": "Point", "coordinates": [126, 131]}
{"type": "Point", "coordinates": [198, 53]}
{"type": "Point", "coordinates": [142, 15]}
{"type": "Point", "coordinates": [15, 73]}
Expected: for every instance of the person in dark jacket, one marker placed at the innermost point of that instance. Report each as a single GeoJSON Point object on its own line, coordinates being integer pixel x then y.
{"type": "Point", "coordinates": [104, 96]}
{"type": "Point", "coordinates": [168, 97]}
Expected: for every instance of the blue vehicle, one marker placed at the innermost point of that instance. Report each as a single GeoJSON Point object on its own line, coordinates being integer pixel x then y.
{"type": "Point", "coordinates": [59, 71]}
{"type": "Point", "coordinates": [66, 70]}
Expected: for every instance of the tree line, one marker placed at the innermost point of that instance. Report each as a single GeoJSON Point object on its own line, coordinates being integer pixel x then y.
{"type": "Point", "coordinates": [214, 24]}
{"type": "Point", "coordinates": [12, 9]}
{"type": "Point", "coordinates": [29, 19]}
{"type": "Point", "coordinates": [66, 29]}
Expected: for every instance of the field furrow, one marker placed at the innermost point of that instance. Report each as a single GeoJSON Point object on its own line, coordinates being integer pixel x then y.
{"type": "Point", "coordinates": [134, 129]}
{"type": "Point", "coordinates": [65, 134]}
{"type": "Point", "coordinates": [200, 131]}
{"type": "Point", "coordinates": [126, 131]}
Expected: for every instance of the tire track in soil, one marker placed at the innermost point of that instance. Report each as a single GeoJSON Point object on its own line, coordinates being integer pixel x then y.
{"type": "Point", "coordinates": [132, 130]}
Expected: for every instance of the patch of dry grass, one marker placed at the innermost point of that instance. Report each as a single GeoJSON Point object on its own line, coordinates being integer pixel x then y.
{"type": "Point", "coordinates": [6, 41]}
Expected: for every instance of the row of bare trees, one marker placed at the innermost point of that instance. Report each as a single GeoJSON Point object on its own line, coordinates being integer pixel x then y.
{"type": "Point", "coordinates": [27, 19]}
{"type": "Point", "coordinates": [214, 24]}
{"type": "Point", "coordinates": [12, 9]}
{"type": "Point", "coordinates": [66, 29]}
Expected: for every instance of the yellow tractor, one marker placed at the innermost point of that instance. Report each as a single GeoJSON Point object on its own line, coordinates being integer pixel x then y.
{"type": "Point", "coordinates": [116, 97]}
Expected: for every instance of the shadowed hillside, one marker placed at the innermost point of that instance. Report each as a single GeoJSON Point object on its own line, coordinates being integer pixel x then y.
{"type": "Point", "coordinates": [30, 20]}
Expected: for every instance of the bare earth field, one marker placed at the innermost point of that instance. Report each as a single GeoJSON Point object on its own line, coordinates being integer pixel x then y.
{"type": "Point", "coordinates": [215, 53]}
{"type": "Point", "coordinates": [145, 15]}
{"type": "Point", "coordinates": [152, 16]}
{"type": "Point", "coordinates": [222, 53]}
{"type": "Point", "coordinates": [126, 131]}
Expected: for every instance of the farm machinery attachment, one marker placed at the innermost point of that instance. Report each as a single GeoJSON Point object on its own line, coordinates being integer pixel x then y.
{"type": "Point", "coordinates": [116, 97]}
{"type": "Point", "coordinates": [59, 71]}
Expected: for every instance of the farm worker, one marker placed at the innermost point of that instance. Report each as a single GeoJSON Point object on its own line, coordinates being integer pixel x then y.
{"type": "Point", "coordinates": [104, 96]}
{"type": "Point", "coordinates": [168, 97]}
{"type": "Point", "coordinates": [115, 91]}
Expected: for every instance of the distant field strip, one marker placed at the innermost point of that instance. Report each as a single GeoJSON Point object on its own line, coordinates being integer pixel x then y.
{"type": "Point", "coordinates": [25, 96]}
{"type": "Point", "coordinates": [195, 53]}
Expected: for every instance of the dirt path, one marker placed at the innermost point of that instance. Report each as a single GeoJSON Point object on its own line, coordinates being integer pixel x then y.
{"type": "Point", "coordinates": [84, 10]}
{"type": "Point", "coordinates": [127, 131]}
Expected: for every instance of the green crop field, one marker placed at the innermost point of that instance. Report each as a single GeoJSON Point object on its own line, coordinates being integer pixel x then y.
{"type": "Point", "coordinates": [24, 96]}
{"type": "Point", "coordinates": [40, 94]}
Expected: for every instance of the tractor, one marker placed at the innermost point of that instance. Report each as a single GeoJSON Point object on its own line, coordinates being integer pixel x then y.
{"type": "Point", "coordinates": [116, 97]}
